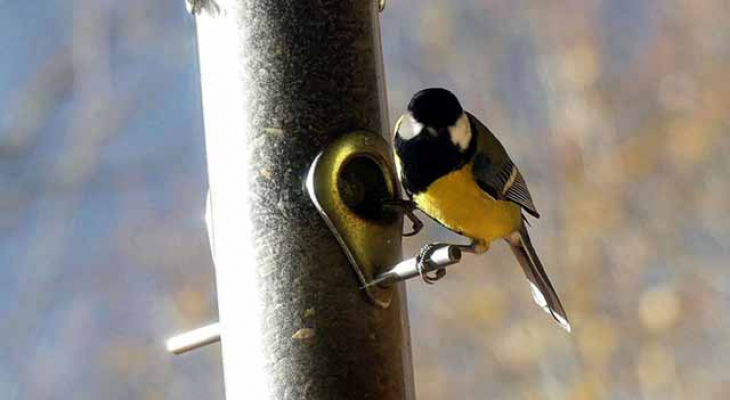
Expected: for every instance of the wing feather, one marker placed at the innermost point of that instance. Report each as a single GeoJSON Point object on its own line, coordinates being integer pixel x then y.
{"type": "Point", "coordinates": [503, 182]}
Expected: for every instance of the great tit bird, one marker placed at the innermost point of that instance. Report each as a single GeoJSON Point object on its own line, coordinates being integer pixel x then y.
{"type": "Point", "coordinates": [454, 169]}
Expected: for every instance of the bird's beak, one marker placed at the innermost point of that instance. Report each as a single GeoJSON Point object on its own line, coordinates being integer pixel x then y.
{"type": "Point", "coordinates": [398, 123]}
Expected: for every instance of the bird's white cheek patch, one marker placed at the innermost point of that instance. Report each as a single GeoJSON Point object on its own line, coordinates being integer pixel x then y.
{"type": "Point", "coordinates": [460, 132]}
{"type": "Point", "coordinates": [410, 128]}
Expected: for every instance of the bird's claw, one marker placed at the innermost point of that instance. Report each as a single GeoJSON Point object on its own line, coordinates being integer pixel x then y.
{"type": "Point", "coordinates": [407, 207]}
{"type": "Point", "coordinates": [422, 263]}
{"type": "Point", "coordinates": [417, 224]}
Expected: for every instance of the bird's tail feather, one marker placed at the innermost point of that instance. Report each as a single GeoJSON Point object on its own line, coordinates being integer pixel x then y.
{"type": "Point", "coordinates": [542, 289]}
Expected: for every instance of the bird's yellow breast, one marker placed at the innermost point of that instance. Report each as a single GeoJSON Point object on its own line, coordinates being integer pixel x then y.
{"type": "Point", "coordinates": [456, 201]}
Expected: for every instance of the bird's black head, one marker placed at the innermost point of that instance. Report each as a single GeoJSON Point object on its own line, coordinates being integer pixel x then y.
{"type": "Point", "coordinates": [435, 107]}
{"type": "Point", "coordinates": [432, 139]}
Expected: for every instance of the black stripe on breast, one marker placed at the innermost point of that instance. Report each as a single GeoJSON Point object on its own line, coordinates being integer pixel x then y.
{"type": "Point", "coordinates": [426, 158]}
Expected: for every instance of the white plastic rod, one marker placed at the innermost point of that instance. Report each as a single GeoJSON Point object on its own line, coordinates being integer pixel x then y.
{"type": "Point", "coordinates": [194, 339]}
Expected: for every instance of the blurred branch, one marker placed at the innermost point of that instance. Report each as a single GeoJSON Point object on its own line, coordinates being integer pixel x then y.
{"type": "Point", "coordinates": [34, 102]}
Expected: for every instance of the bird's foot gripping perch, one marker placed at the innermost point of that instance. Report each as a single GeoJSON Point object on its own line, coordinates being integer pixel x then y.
{"type": "Point", "coordinates": [427, 263]}
{"type": "Point", "coordinates": [432, 258]}
{"type": "Point", "coordinates": [424, 265]}
{"type": "Point", "coordinates": [408, 209]}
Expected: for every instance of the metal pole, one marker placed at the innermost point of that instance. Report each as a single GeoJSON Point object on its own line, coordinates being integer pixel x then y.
{"type": "Point", "coordinates": [280, 79]}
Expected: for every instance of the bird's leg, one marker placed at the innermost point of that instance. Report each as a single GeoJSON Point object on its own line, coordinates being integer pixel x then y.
{"type": "Point", "coordinates": [476, 247]}
{"type": "Point", "coordinates": [408, 209]}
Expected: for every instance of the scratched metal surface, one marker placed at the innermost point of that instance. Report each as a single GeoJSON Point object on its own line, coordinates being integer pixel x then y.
{"type": "Point", "coordinates": [308, 73]}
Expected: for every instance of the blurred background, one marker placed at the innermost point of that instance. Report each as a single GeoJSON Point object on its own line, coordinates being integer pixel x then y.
{"type": "Point", "coordinates": [616, 112]}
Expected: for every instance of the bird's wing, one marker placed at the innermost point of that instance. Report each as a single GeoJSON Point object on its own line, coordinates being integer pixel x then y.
{"type": "Point", "coordinates": [497, 175]}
